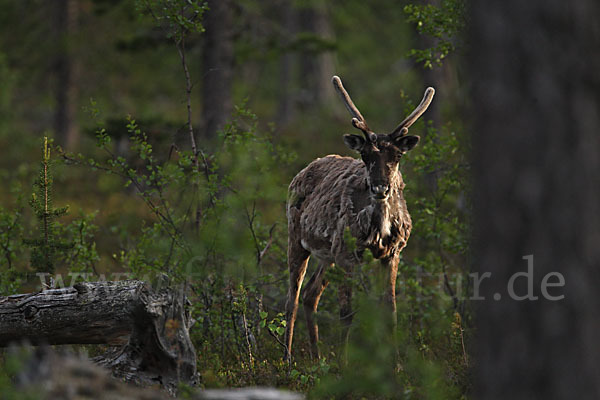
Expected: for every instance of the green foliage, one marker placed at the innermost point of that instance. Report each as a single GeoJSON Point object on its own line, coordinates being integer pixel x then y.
{"type": "Point", "coordinates": [434, 284]}
{"type": "Point", "coordinates": [153, 181]}
{"type": "Point", "coordinates": [370, 368]}
{"type": "Point", "coordinates": [238, 181]}
{"type": "Point", "coordinates": [176, 17]}
{"type": "Point", "coordinates": [57, 245]}
{"type": "Point", "coordinates": [82, 255]}
{"type": "Point", "coordinates": [444, 23]}
{"type": "Point", "coordinates": [276, 325]}
{"type": "Point", "coordinates": [46, 248]}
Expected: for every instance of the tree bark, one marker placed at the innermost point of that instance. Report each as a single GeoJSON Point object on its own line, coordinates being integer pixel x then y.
{"type": "Point", "coordinates": [65, 92]}
{"type": "Point", "coordinates": [536, 158]}
{"type": "Point", "coordinates": [285, 106]}
{"type": "Point", "coordinates": [153, 326]}
{"type": "Point", "coordinates": [84, 314]}
{"type": "Point", "coordinates": [316, 64]}
{"type": "Point", "coordinates": [218, 63]}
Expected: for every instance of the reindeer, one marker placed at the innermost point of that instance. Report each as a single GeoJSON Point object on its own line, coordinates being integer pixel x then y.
{"type": "Point", "coordinates": [333, 194]}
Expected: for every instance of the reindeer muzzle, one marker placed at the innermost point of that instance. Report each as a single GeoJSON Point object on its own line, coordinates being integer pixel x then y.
{"type": "Point", "coordinates": [380, 192]}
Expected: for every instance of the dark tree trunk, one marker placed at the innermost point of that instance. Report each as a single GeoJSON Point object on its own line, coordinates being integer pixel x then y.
{"type": "Point", "coordinates": [285, 108]}
{"type": "Point", "coordinates": [218, 63]}
{"type": "Point", "coordinates": [433, 77]}
{"type": "Point", "coordinates": [316, 62]}
{"type": "Point", "coordinates": [65, 92]}
{"type": "Point", "coordinates": [536, 156]}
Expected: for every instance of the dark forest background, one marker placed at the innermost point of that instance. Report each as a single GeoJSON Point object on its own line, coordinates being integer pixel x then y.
{"type": "Point", "coordinates": [104, 80]}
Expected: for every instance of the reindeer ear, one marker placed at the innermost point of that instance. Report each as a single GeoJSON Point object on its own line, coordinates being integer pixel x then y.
{"type": "Point", "coordinates": [406, 143]}
{"type": "Point", "coordinates": [355, 142]}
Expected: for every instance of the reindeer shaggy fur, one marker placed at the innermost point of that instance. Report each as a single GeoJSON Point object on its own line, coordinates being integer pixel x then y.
{"type": "Point", "coordinates": [334, 194]}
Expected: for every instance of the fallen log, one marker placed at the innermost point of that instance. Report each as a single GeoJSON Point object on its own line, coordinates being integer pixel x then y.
{"type": "Point", "coordinates": [151, 327]}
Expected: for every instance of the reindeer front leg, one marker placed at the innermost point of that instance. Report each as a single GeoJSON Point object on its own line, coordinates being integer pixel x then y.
{"type": "Point", "coordinates": [390, 267]}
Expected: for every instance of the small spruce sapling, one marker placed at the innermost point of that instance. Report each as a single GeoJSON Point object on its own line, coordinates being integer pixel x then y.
{"type": "Point", "coordinates": [46, 247]}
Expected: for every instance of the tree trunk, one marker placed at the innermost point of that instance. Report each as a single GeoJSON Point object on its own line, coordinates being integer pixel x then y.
{"type": "Point", "coordinates": [218, 63]}
{"type": "Point", "coordinates": [285, 107]}
{"type": "Point", "coordinates": [536, 156]}
{"type": "Point", "coordinates": [152, 325]}
{"type": "Point", "coordinates": [66, 93]}
{"type": "Point", "coordinates": [316, 62]}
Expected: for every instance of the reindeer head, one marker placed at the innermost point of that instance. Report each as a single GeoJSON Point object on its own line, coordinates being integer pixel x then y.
{"type": "Point", "coordinates": [381, 153]}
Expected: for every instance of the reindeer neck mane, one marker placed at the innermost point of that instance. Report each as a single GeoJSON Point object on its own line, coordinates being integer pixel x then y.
{"type": "Point", "coordinates": [377, 218]}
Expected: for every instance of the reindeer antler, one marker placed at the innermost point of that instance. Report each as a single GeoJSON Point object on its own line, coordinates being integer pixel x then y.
{"type": "Point", "coordinates": [358, 121]}
{"type": "Point", "coordinates": [402, 129]}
